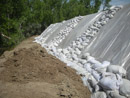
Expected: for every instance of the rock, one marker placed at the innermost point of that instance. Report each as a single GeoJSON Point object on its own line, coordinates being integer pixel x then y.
{"type": "Point", "coordinates": [125, 88]}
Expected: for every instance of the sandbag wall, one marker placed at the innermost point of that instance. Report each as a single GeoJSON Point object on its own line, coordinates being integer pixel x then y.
{"type": "Point", "coordinates": [73, 42]}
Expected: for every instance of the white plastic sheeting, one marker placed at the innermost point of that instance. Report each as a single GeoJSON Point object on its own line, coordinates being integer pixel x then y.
{"type": "Point", "coordinates": [84, 43]}
{"type": "Point", "coordinates": [113, 41]}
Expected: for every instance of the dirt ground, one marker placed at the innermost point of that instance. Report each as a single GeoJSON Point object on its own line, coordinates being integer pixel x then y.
{"type": "Point", "coordinates": [29, 72]}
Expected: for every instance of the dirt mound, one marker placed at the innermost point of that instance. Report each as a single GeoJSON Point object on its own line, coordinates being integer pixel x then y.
{"type": "Point", "coordinates": [28, 71]}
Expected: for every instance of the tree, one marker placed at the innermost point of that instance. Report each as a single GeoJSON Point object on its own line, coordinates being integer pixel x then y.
{"type": "Point", "coordinates": [105, 4]}
{"type": "Point", "coordinates": [23, 18]}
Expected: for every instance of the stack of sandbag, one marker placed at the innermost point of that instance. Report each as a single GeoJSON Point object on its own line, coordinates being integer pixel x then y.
{"type": "Point", "coordinates": [111, 79]}
{"type": "Point", "coordinates": [103, 79]}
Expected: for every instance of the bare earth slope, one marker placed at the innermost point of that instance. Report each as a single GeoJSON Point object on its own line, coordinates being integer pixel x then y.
{"type": "Point", "coordinates": [29, 72]}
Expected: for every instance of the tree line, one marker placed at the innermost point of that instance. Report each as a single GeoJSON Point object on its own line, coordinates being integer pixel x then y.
{"type": "Point", "coordinates": [20, 19]}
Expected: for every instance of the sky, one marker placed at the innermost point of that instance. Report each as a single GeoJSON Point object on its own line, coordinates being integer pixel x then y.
{"type": "Point", "coordinates": [119, 2]}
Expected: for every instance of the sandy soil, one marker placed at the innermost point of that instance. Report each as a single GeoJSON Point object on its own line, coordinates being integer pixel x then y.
{"type": "Point", "coordinates": [29, 72]}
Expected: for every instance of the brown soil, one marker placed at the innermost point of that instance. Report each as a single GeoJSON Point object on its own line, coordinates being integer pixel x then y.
{"type": "Point", "coordinates": [29, 72]}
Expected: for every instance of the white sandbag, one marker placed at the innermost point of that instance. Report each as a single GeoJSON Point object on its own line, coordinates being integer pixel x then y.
{"type": "Point", "coordinates": [65, 51]}
{"type": "Point", "coordinates": [80, 47]}
{"type": "Point", "coordinates": [82, 61]}
{"type": "Point", "coordinates": [125, 88]}
{"type": "Point", "coordinates": [59, 50]}
{"type": "Point", "coordinates": [109, 74]}
{"type": "Point", "coordinates": [84, 43]}
{"type": "Point", "coordinates": [74, 57]}
{"type": "Point", "coordinates": [116, 69]}
{"type": "Point", "coordinates": [85, 82]}
{"type": "Point", "coordinates": [83, 38]}
{"type": "Point", "coordinates": [63, 58]}
{"type": "Point", "coordinates": [102, 68]}
{"type": "Point", "coordinates": [115, 94]}
{"type": "Point", "coordinates": [105, 63]}
{"type": "Point", "coordinates": [99, 95]}
{"type": "Point", "coordinates": [84, 79]}
{"type": "Point", "coordinates": [85, 55]}
{"type": "Point", "coordinates": [105, 74]}
{"type": "Point", "coordinates": [96, 75]}
{"type": "Point", "coordinates": [90, 59]}
{"type": "Point", "coordinates": [98, 65]}
{"type": "Point", "coordinates": [87, 66]}
{"type": "Point", "coordinates": [111, 82]}
{"type": "Point", "coordinates": [77, 51]}
{"type": "Point", "coordinates": [92, 81]}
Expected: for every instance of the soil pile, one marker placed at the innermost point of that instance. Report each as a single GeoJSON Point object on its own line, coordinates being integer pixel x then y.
{"type": "Point", "coordinates": [28, 71]}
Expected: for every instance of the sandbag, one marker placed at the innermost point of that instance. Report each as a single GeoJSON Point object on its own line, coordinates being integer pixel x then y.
{"type": "Point", "coordinates": [87, 66]}
{"type": "Point", "coordinates": [111, 82]}
{"type": "Point", "coordinates": [93, 83]}
{"type": "Point", "coordinates": [125, 88]}
{"type": "Point", "coordinates": [102, 68]}
{"type": "Point", "coordinates": [96, 75]}
{"type": "Point", "coordinates": [116, 94]}
{"type": "Point", "coordinates": [97, 65]}
{"type": "Point", "coordinates": [105, 64]}
{"type": "Point", "coordinates": [85, 55]}
{"type": "Point", "coordinates": [93, 88]}
{"type": "Point", "coordinates": [99, 95]}
{"type": "Point", "coordinates": [65, 51]}
{"type": "Point", "coordinates": [116, 69]}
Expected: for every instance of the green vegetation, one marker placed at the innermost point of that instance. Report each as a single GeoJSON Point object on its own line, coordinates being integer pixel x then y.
{"type": "Point", "coordinates": [20, 19]}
